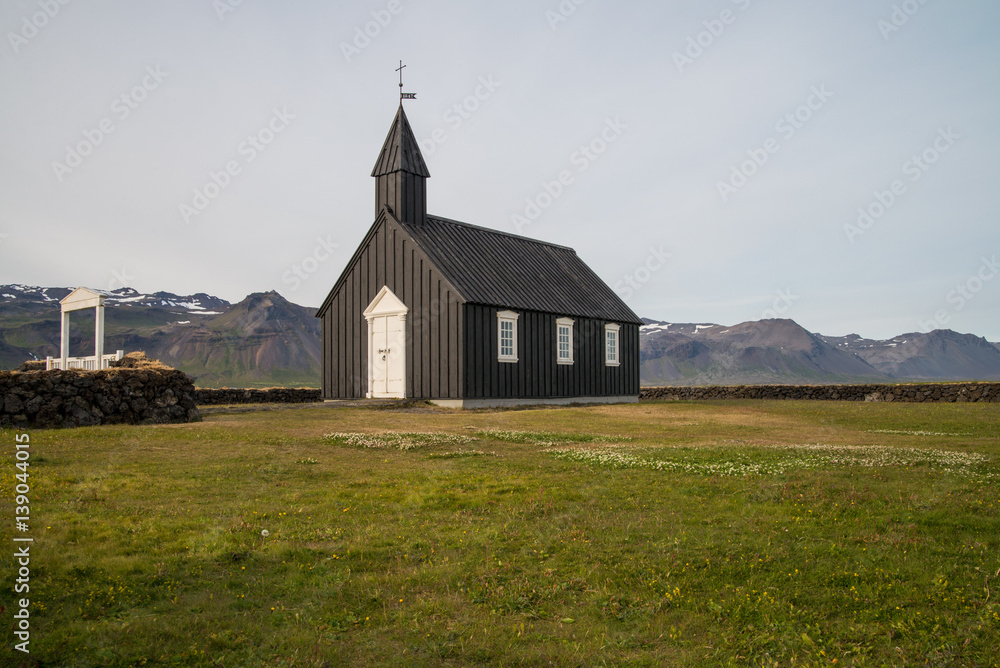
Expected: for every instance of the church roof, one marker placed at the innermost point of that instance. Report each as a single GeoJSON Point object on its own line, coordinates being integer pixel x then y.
{"type": "Point", "coordinates": [401, 151]}
{"type": "Point", "coordinates": [486, 266]}
{"type": "Point", "coordinates": [499, 269]}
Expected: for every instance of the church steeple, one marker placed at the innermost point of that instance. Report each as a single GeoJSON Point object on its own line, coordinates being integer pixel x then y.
{"type": "Point", "coordinates": [401, 174]}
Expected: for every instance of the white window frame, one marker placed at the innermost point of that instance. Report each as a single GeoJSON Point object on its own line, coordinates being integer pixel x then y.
{"type": "Point", "coordinates": [502, 317]}
{"type": "Point", "coordinates": [567, 323]}
{"type": "Point", "coordinates": [617, 359]}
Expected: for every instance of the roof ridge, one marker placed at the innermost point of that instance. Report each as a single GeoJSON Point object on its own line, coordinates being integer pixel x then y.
{"type": "Point", "coordinates": [501, 233]}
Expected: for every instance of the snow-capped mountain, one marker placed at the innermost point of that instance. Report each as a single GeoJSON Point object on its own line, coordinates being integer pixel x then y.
{"type": "Point", "coordinates": [201, 303]}
{"type": "Point", "coordinates": [781, 351]}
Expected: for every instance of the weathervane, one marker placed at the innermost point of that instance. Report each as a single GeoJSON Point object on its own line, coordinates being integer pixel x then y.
{"type": "Point", "coordinates": [402, 95]}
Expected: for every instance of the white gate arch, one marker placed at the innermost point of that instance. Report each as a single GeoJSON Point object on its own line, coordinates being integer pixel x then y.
{"type": "Point", "coordinates": [80, 300]}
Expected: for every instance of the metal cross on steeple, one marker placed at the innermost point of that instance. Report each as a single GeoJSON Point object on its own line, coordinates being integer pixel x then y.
{"type": "Point", "coordinates": [402, 95]}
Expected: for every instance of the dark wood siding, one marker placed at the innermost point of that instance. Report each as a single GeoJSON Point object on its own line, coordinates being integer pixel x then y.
{"type": "Point", "coordinates": [405, 194]}
{"type": "Point", "coordinates": [537, 374]}
{"type": "Point", "coordinates": [389, 257]}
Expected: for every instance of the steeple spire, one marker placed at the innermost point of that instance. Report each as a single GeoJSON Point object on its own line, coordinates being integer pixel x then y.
{"type": "Point", "coordinates": [401, 174]}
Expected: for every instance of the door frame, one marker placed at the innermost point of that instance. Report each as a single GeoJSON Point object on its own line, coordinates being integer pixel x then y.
{"type": "Point", "coordinates": [385, 305]}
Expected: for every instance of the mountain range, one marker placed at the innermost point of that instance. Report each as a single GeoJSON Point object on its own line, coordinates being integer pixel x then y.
{"type": "Point", "coordinates": [265, 340]}
{"type": "Point", "coordinates": [783, 352]}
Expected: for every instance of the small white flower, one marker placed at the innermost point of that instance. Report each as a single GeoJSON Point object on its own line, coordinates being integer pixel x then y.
{"type": "Point", "coordinates": [265, 533]}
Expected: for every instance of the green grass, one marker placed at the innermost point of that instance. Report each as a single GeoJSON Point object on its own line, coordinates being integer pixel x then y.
{"type": "Point", "coordinates": [677, 534]}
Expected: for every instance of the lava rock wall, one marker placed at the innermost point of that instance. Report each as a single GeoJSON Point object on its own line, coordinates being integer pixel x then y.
{"type": "Point", "coordinates": [932, 392]}
{"type": "Point", "coordinates": [77, 398]}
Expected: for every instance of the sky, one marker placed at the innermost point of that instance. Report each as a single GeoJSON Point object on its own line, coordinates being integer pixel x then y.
{"type": "Point", "coordinates": [834, 161]}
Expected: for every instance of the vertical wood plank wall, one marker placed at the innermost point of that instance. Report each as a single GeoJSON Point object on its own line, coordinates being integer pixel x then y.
{"type": "Point", "coordinates": [536, 373]}
{"type": "Point", "coordinates": [405, 195]}
{"type": "Point", "coordinates": [433, 325]}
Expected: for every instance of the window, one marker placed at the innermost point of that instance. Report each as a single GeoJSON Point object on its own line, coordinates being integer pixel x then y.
{"type": "Point", "coordinates": [611, 355]}
{"type": "Point", "coordinates": [507, 336]}
{"type": "Point", "coordinates": [564, 341]}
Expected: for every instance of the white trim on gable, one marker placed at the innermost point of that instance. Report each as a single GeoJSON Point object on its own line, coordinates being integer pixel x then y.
{"type": "Point", "coordinates": [385, 303]}
{"type": "Point", "coordinates": [80, 299]}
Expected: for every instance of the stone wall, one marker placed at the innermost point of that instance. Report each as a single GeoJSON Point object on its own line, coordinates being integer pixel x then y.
{"type": "Point", "coordinates": [931, 392]}
{"type": "Point", "coordinates": [76, 398]}
{"type": "Point", "coordinates": [945, 392]}
{"type": "Point", "coordinates": [273, 395]}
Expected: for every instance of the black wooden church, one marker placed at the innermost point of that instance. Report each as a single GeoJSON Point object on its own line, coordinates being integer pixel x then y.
{"type": "Point", "coordinates": [432, 308]}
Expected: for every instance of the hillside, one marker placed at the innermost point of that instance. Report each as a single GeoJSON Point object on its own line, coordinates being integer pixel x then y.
{"type": "Point", "coordinates": [937, 355]}
{"type": "Point", "coordinates": [263, 340]}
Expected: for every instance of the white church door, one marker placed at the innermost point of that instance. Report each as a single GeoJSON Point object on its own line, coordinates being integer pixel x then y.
{"type": "Point", "coordinates": [389, 353]}
{"type": "Point", "coordinates": [386, 317]}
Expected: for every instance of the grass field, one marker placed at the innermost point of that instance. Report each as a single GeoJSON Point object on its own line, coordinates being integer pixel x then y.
{"type": "Point", "coordinates": [658, 534]}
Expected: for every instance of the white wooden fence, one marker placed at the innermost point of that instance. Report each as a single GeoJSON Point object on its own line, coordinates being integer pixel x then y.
{"type": "Point", "coordinates": [88, 363]}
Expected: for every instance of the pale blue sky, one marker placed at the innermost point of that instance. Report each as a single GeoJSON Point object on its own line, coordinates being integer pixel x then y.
{"type": "Point", "coordinates": [673, 131]}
